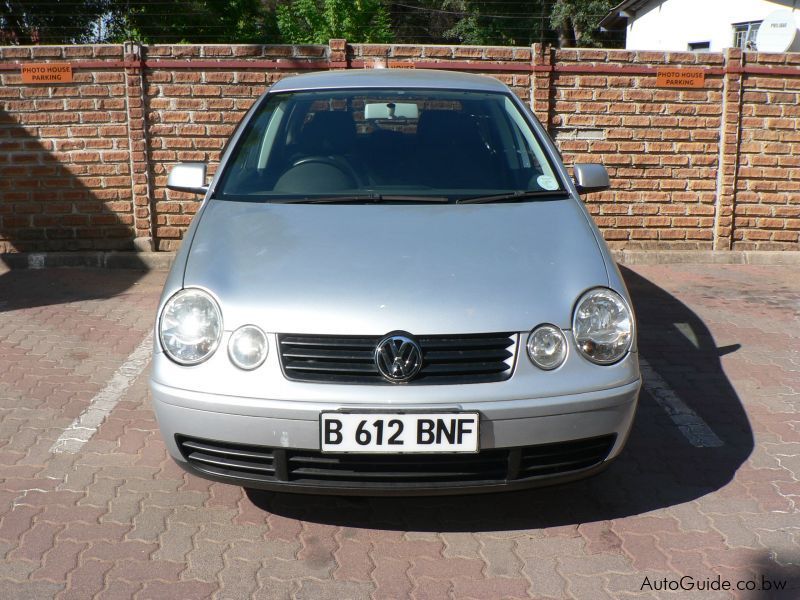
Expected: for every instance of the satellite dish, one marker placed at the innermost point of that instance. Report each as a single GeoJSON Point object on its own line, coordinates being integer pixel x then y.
{"type": "Point", "coordinates": [778, 33]}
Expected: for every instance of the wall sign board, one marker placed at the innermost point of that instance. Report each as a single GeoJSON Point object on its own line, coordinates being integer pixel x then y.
{"type": "Point", "coordinates": [47, 73]}
{"type": "Point", "coordinates": [682, 77]}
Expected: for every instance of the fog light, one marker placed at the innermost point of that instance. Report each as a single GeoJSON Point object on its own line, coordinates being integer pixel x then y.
{"type": "Point", "coordinates": [248, 347]}
{"type": "Point", "coordinates": [547, 347]}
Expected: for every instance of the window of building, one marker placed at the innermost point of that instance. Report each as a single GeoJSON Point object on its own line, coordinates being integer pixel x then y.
{"type": "Point", "coordinates": [744, 35]}
{"type": "Point", "coordinates": [699, 46]}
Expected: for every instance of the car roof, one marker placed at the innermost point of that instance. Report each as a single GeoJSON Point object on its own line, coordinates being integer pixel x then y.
{"type": "Point", "coordinates": [394, 78]}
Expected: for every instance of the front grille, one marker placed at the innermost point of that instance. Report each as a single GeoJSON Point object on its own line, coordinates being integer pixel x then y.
{"type": "Point", "coordinates": [256, 464]}
{"type": "Point", "coordinates": [446, 359]}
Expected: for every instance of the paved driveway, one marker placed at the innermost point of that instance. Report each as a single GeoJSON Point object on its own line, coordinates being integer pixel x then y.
{"type": "Point", "coordinates": [708, 489]}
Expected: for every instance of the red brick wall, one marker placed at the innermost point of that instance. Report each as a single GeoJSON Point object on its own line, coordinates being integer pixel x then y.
{"type": "Point", "coordinates": [64, 161]}
{"type": "Point", "coordinates": [84, 165]}
{"type": "Point", "coordinates": [660, 146]}
{"type": "Point", "coordinates": [502, 61]}
{"type": "Point", "coordinates": [767, 207]}
{"type": "Point", "coordinates": [190, 113]}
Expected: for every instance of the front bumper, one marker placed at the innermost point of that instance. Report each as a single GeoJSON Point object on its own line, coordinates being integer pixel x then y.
{"type": "Point", "coordinates": [286, 431]}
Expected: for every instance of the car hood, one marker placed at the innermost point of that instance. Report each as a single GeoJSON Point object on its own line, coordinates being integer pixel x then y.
{"type": "Point", "coordinates": [372, 269]}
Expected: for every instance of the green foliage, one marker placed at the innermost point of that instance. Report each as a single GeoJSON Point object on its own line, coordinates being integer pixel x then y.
{"type": "Point", "coordinates": [578, 22]}
{"type": "Point", "coordinates": [479, 22]}
{"type": "Point", "coordinates": [231, 21]}
{"type": "Point", "coordinates": [500, 23]}
{"type": "Point", "coordinates": [50, 21]}
{"type": "Point", "coordinates": [428, 21]}
{"type": "Point", "coordinates": [515, 23]}
{"type": "Point", "coordinates": [316, 22]}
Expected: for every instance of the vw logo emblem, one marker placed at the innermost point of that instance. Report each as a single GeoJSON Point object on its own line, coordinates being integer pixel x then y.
{"type": "Point", "coordinates": [398, 358]}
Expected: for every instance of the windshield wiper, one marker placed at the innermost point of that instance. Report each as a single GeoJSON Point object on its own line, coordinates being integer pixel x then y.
{"type": "Point", "coordinates": [345, 199]}
{"type": "Point", "coordinates": [514, 196]}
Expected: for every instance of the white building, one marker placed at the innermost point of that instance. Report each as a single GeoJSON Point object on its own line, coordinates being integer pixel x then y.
{"type": "Point", "coordinates": [701, 25]}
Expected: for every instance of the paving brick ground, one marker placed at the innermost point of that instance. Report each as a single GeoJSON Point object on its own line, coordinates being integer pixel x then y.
{"type": "Point", "coordinates": [119, 520]}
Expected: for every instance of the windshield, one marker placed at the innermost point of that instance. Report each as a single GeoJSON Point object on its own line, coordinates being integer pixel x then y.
{"type": "Point", "coordinates": [397, 145]}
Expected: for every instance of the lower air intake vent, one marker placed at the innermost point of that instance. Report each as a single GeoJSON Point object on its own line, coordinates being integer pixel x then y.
{"type": "Point", "coordinates": [253, 464]}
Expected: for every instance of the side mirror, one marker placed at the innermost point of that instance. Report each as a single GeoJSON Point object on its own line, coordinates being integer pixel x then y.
{"type": "Point", "coordinates": [590, 178]}
{"type": "Point", "coordinates": [188, 177]}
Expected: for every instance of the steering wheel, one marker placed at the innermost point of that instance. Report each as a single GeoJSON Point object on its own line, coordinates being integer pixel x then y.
{"type": "Point", "coordinates": [332, 161]}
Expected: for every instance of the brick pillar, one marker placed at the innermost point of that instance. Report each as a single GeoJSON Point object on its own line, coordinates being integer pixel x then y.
{"type": "Point", "coordinates": [337, 54]}
{"type": "Point", "coordinates": [542, 56]}
{"type": "Point", "coordinates": [730, 123]}
{"type": "Point", "coordinates": [137, 143]}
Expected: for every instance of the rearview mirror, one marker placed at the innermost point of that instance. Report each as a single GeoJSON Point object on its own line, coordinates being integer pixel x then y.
{"type": "Point", "coordinates": [391, 110]}
{"type": "Point", "coordinates": [188, 177]}
{"type": "Point", "coordinates": [590, 178]}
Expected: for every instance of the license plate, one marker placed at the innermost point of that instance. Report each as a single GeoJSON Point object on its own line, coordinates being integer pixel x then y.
{"type": "Point", "coordinates": [399, 432]}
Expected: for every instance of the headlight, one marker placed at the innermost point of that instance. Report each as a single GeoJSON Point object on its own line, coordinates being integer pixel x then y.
{"type": "Point", "coordinates": [603, 326]}
{"type": "Point", "coordinates": [190, 327]}
{"type": "Point", "coordinates": [547, 347]}
{"type": "Point", "coordinates": [248, 347]}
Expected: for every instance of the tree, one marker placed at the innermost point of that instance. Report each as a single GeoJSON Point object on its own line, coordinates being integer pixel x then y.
{"type": "Point", "coordinates": [317, 21]}
{"type": "Point", "coordinates": [480, 22]}
{"type": "Point", "coordinates": [50, 21]}
{"type": "Point", "coordinates": [578, 22]}
{"type": "Point", "coordinates": [519, 23]}
{"type": "Point", "coordinates": [195, 21]}
{"type": "Point", "coordinates": [426, 21]}
{"type": "Point", "coordinates": [507, 23]}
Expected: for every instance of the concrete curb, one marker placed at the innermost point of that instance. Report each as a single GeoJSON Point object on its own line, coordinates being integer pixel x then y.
{"type": "Point", "coordinates": [139, 261]}
{"type": "Point", "coordinates": [161, 261]}
{"type": "Point", "coordinates": [723, 257]}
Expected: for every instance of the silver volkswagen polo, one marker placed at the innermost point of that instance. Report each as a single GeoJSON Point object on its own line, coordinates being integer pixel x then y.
{"type": "Point", "coordinates": [393, 287]}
